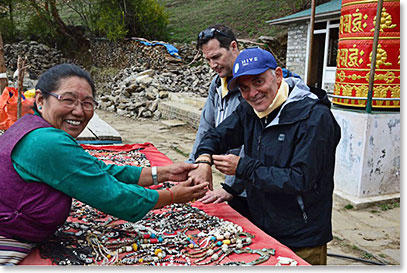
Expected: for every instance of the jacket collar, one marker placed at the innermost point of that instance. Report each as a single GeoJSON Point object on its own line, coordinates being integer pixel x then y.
{"type": "Point", "coordinates": [300, 101]}
{"type": "Point", "coordinates": [218, 88]}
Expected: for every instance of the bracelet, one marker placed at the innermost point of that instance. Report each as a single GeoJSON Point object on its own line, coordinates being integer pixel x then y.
{"type": "Point", "coordinates": [203, 161]}
{"type": "Point", "coordinates": [172, 195]}
{"type": "Point", "coordinates": [154, 175]}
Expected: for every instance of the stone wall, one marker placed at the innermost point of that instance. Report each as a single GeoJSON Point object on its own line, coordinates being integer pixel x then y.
{"type": "Point", "coordinates": [39, 57]}
{"type": "Point", "coordinates": [297, 48]}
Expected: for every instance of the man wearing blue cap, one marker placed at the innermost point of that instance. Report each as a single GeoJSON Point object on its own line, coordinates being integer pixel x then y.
{"type": "Point", "coordinates": [290, 137]}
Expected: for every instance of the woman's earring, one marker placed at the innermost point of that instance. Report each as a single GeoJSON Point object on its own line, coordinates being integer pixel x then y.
{"type": "Point", "coordinates": [39, 107]}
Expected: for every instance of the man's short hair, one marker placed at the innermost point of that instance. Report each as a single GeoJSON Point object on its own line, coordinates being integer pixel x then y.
{"type": "Point", "coordinates": [220, 32]}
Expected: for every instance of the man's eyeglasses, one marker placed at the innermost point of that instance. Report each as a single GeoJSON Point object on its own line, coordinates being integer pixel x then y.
{"type": "Point", "coordinates": [70, 101]}
{"type": "Point", "coordinates": [210, 33]}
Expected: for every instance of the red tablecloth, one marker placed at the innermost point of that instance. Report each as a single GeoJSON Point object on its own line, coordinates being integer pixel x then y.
{"type": "Point", "coordinates": [224, 211]}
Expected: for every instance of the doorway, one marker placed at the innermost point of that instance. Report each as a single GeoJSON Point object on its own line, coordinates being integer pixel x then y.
{"type": "Point", "coordinates": [317, 60]}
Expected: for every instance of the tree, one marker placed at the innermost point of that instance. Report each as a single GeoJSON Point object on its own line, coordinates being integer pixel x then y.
{"type": "Point", "coordinates": [116, 19]}
{"type": "Point", "coordinates": [3, 79]}
{"type": "Point", "coordinates": [7, 25]}
{"type": "Point", "coordinates": [69, 23]}
{"type": "Point", "coordinates": [48, 12]}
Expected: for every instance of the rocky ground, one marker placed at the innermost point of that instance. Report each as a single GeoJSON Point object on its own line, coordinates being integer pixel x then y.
{"type": "Point", "coordinates": [363, 236]}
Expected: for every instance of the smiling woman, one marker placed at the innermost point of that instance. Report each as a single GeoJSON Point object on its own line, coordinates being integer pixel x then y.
{"type": "Point", "coordinates": [57, 97]}
{"type": "Point", "coordinates": [43, 168]}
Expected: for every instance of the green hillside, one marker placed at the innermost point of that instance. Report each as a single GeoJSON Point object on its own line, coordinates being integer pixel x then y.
{"type": "Point", "coordinates": [246, 17]}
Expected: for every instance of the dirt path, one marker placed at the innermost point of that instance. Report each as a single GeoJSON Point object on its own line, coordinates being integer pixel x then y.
{"type": "Point", "coordinates": [371, 234]}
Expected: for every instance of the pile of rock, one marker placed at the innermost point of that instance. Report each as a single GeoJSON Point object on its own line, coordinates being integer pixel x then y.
{"type": "Point", "coordinates": [130, 53]}
{"type": "Point", "coordinates": [140, 76]}
{"type": "Point", "coordinates": [136, 91]}
{"type": "Point", "coordinates": [39, 57]}
{"type": "Point", "coordinates": [147, 74]}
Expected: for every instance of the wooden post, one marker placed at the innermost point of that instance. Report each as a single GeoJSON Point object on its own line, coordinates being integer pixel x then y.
{"type": "Point", "coordinates": [21, 71]}
{"type": "Point", "coordinates": [374, 52]}
{"type": "Point", "coordinates": [3, 75]}
{"type": "Point", "coordinates": [311, 41]}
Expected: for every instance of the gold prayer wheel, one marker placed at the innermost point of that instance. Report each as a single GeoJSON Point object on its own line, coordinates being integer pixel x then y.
{"type": "Point", "coordinates": [356, 32]}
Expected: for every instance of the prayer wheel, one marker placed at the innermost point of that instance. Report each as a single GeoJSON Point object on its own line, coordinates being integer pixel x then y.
{"type": "Point", "coordinates": [356, 32]}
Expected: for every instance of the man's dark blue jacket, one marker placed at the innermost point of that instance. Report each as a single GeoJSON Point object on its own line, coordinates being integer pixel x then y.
{"type": "Point", "coordinates": [288, 167]}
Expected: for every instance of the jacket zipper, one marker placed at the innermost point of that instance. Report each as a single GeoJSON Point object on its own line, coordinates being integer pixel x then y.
{"type": "Point", "coordinates": [301, 204]}
{"type": "Point", "coordinates": [258, 143]}
{"type": "Point", "coordinates": [259, 138]}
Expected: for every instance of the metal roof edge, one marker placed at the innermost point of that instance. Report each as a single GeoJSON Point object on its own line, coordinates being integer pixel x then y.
{"type": "Point", "coordinates": [302, 18]}
{"type": "Point", "coordinates": [331, 7]}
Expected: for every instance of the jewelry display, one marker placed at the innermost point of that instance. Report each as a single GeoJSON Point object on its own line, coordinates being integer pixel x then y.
{"type": "Point", "coordinates": [177, 234]}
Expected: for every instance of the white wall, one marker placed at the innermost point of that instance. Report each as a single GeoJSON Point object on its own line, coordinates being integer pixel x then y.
{"type": "Point", "coordinates": [368, 155]}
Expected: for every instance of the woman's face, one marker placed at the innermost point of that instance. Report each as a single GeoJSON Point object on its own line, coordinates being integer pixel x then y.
{"type": "Point", "coordinates": [72, 119]}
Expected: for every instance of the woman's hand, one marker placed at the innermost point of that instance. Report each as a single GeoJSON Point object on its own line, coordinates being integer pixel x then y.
{"type": "Point", "coordinates": [175, 172]}
{"type": "Point", "coordinates": [181, 193]}
{"type": "Point", "coordinates": [226, 164]}
{"type": "Point", "coordinates": [187, 191]}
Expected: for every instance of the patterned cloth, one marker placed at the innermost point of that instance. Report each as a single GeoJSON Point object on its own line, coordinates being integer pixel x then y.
{"type": "Point", "coordinates": [13, 251]}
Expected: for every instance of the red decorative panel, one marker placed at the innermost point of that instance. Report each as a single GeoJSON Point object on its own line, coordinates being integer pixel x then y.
{"type": "Point", "coordinates": [356, 32]}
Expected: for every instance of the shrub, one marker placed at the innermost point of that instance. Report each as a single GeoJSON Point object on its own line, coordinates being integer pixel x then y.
{"type": "Point", "coordinates": [134, 18]}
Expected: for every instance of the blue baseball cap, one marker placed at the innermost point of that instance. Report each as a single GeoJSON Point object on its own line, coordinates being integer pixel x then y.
{"type": "Point", "coordinates": [252, 61]}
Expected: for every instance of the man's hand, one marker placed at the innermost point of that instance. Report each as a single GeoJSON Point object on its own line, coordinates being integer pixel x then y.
{"type": "Point", "coordinates": [217, 196]}
{"type": "Point", "coordinates": [202, 174]}
{"type": "Point", "coordinates": [175, 172]}
{"type": "Point", "coordinates": [226, 164]}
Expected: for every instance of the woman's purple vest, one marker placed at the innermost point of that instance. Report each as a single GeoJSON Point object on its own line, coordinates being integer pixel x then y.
{"type": "Point", "coordinates": [29, 211]}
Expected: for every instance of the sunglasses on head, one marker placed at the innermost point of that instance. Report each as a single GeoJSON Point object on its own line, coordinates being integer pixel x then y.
{"type": "Point", "coordinates": [209, 33]}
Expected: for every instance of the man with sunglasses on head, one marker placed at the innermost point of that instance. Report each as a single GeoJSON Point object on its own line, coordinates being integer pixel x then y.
{"type": "Point", "coordinates": [290, 137]}
{"type": "Point", "coordinates": [220, 48]}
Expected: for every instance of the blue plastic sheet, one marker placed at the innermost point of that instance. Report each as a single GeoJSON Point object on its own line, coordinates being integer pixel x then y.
{"type": "Point", "coordinates": [172, 50]}
{"type": "Point", "coordinates": [287, 73]}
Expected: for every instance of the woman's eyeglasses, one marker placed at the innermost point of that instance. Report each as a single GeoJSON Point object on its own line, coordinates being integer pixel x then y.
{"type": "Point", "coordinates": [70, 101]}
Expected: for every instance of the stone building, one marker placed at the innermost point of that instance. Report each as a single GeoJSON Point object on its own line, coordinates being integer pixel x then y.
{"type": "Point", "coordinates": [325, 42]}
{"type": "Point", "coordinates": [367, 168]}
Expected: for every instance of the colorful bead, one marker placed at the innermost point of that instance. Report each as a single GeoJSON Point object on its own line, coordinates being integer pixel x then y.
{"type": "Point", "coordinates": [135, 246]}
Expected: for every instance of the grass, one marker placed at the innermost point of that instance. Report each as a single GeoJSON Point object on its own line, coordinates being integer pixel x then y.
{"type": "Point", "coordinates": [385, 207]}
{"type": "Point", "coordinates": [246, 18]}
{"type": "Point", "coordinates": [348, 206]}
{"type": "Point", "coordinates": [176, 149]}
{"type": "Point", "coordinates": [388, 206]}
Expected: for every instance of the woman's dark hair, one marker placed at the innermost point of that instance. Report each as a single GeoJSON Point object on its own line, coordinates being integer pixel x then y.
{"type": "Point", "coordinates": [50, 80]}
{"type": "Point", "coordinates": [225, 36]}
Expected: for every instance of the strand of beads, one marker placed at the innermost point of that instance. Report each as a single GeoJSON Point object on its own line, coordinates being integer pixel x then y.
{"type": "Point", "coordinates": [264, 255]}
{"type": "Point", "coordinates": [175, 235]}
{"type": "Point", "coordinates": [120, 158]}
{"type": "Point", "coordinates": [193, 238]}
